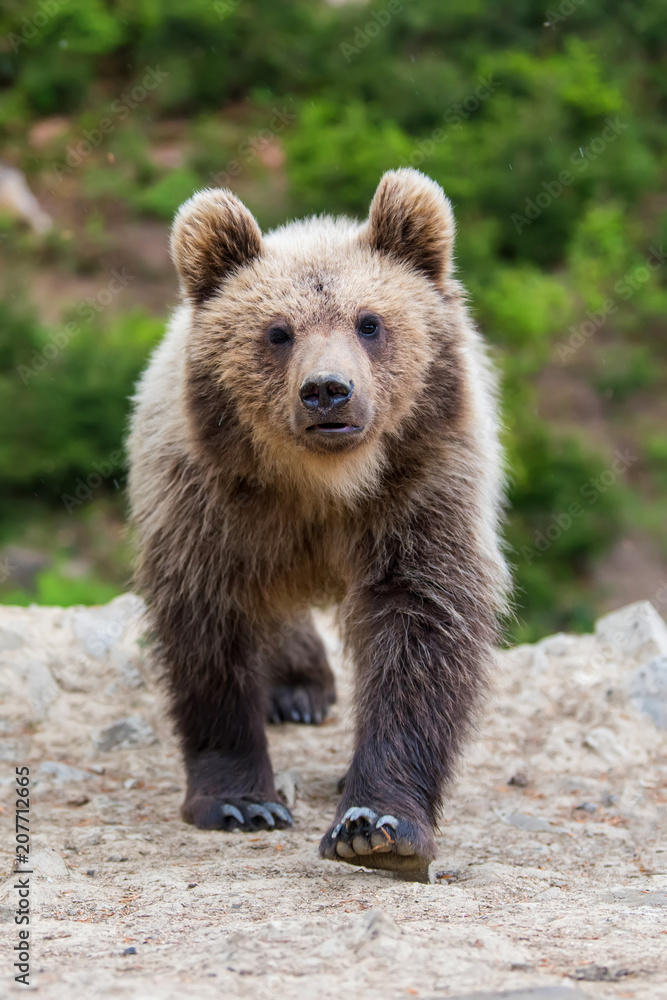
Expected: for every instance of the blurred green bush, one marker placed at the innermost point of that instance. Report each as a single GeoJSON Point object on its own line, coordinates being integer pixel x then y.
{"type": "Point", "coordinates": [544, 128]}
{"type": "Point", "coordinates": [64, 392]}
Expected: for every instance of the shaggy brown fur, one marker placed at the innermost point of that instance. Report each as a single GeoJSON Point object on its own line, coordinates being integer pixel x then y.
{"type": "Point", "coordinates": [319, 425]}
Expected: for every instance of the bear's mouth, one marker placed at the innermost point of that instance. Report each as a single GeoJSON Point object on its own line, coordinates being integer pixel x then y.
{"type": "Point", "coordinates": [334, 428]}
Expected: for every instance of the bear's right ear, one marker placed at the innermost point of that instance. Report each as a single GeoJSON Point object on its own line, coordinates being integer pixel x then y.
{"type": "Point", "coordinates": [213, 234]}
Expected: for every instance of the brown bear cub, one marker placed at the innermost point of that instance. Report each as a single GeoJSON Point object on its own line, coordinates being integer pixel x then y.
{"type": "Point", "coordinates": [318, 426]}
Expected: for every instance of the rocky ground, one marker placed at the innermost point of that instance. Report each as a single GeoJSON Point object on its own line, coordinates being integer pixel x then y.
{"type": "Point", "coordinates": [551, 878]}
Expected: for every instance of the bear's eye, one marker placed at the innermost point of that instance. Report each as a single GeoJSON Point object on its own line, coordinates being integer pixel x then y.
{"type": "Point", "coordinates": [368, 327]}
{"type": "Point", "coordinates": [280, 335]}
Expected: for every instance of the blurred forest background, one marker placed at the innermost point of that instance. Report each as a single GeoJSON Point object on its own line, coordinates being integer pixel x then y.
{"type": "Point", "coordinates": [543, 123]}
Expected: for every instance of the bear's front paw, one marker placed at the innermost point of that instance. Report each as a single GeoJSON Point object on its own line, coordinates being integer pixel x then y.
{"type": "Point", "coordinates": [364, 837]}
{"type": "Point", "coordinates": [307, 703]}
{"type": "Point", "coordinates": [212, 812]}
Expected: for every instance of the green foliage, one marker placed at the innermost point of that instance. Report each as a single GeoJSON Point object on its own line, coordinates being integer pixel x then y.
{"type": "Point", "coordinates": [166, 195]}
{"type": "Point", "coordinates": [566, 504]}
{"type": "Point", "coordinates": [524, 309]}
{"type": "Point", "coordinates": [627, 369]}
{"type": "Point", "coordinates": [54, 587]}
{"type": "Point", "coordinates": [65, 394]}
{"type": "Point", "coordinates": [341, 173]}
{"type": "Point", "coordinates": [544, 130]}
{"type": "Point", "coordinates": [655, 447]}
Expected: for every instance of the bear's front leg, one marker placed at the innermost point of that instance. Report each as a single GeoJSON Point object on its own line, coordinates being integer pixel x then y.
{"type": "Point", "coordinates": [421, 652]}
{"type": "Point", "coordinates": [219, 705]}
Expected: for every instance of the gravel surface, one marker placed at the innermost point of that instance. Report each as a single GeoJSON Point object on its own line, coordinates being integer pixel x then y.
{"type": "Point", "coordinates": [551, 878]}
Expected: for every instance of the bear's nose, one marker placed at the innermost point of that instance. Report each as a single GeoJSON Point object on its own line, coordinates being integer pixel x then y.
{"type": "Point", "coordinates": [325, 391]}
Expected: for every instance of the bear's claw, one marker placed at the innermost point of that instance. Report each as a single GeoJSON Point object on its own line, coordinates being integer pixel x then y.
{"type": "Point", "coordinates": [232, 812]}
{"type": "Point", "coordinates": [210, 812]}
{"type": "Point", "coordinates": [365, 837]}
{"type": "Point", "coordinates": [355, 814]}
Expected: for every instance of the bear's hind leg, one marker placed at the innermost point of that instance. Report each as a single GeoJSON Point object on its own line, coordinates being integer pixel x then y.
{"type": "Point", "coordinates": [301, 684]}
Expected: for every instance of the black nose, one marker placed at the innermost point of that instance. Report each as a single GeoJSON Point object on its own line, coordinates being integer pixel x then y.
{"type": "Point", "coordinates": [323, 392]}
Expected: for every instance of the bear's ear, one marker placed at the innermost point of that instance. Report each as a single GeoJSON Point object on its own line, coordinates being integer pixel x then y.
{"type": "Point", "coordinates": [213, 234]}
{"type": "Point", "coordinates": [411, 219]}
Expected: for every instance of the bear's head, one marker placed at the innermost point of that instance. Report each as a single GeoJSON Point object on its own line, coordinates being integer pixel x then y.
{"type": "Point", "coordinates": [313, 346]}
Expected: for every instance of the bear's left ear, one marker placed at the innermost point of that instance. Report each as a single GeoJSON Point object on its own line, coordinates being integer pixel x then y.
{"type": "Point", "coordinates": [411, 219]}
{"type": "Point", "coordinates": [213, 234]}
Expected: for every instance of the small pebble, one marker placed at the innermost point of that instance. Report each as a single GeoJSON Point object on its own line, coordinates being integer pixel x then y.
{"type": "Point", "coordinates": [130, 951]}
{"type": "Point", "coordinates": [78, 800]}
{"type": "Point", "coordinates": [453, 875]}
{"type": "Point", "coordinates": [593, 973]}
